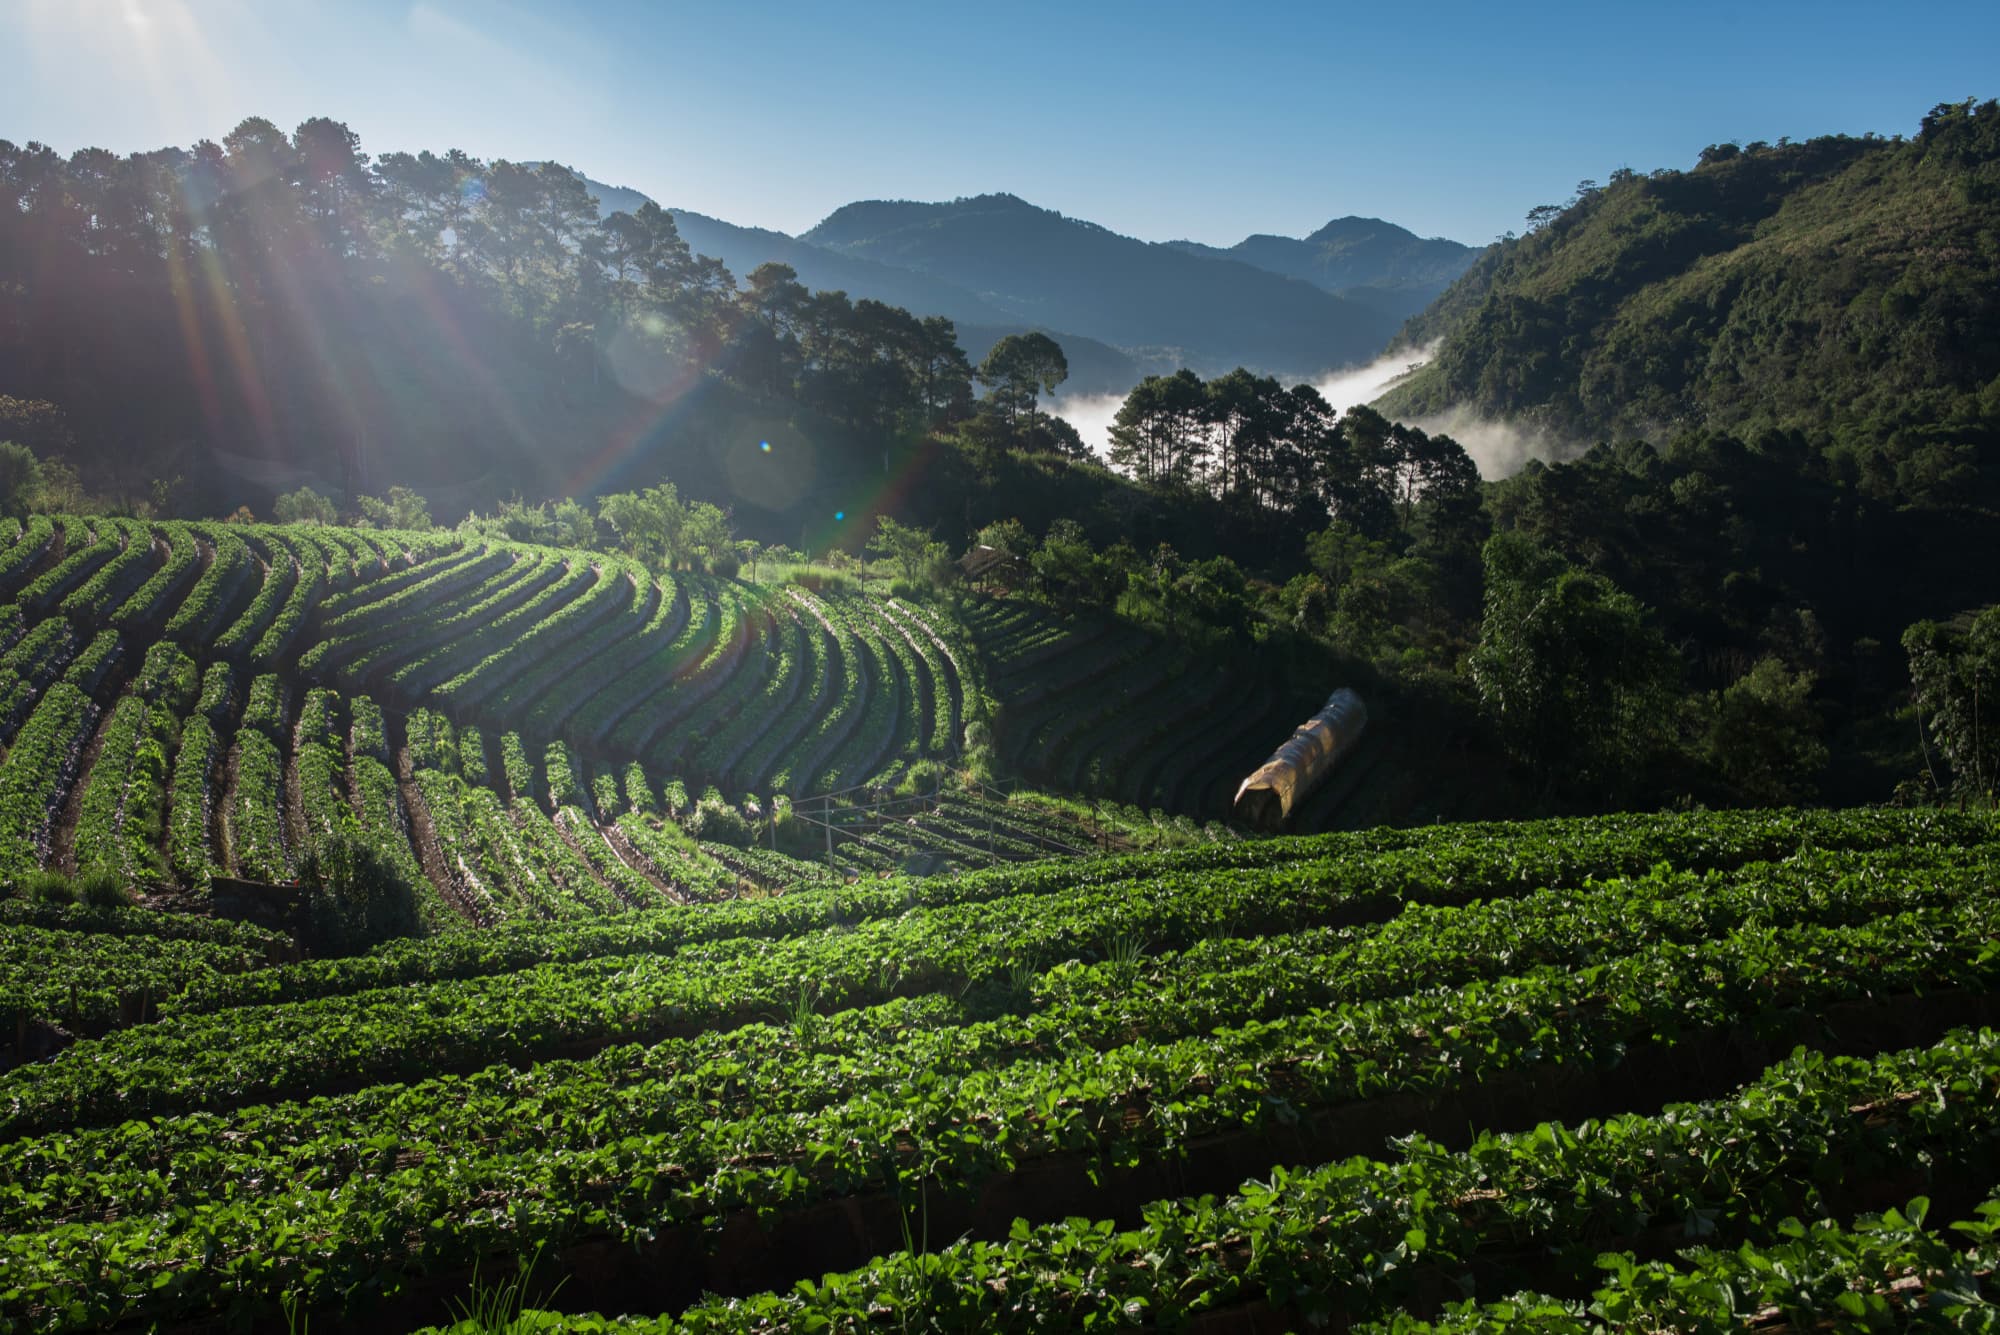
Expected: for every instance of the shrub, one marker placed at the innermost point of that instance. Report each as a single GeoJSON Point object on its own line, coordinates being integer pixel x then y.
{"type": "Point", "coordinates": [719, 823]}
{"type": "Point", "coordinates": [358, 898]}
{"type": "Point", "coordinates": [48, 887]}
{"type": "Point", "coordinates": [101, 889]}
{"type": "Point", "coordinates": [821, 580]}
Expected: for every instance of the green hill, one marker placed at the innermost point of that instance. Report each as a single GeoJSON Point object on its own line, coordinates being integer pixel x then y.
{"type": "Point", "coordinates": [1844, 287]}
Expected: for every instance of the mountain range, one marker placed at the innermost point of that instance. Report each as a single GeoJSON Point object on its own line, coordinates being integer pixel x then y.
{"type": "Point", "coordinates": [1842, 287]}
{"type": "Point", "coordinates": [1121, 308]}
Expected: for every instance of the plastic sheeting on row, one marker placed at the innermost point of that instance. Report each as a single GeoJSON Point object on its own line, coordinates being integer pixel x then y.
{"type": "Point", "coordinates": [1269, 796]}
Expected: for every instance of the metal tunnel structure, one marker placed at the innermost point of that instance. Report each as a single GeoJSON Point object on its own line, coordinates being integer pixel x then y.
{"type": "Point", "coordinates": [1267, 799]}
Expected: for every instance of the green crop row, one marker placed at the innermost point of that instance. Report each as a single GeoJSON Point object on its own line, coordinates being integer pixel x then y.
{"type": "Point", "coordinates": [106, 590]}
{"type": "Point", "coordinates": [122, 814]}
{"type": "Point", "coordinates": [86, 979]}
{"type": "Point", "coordinates": [551, 694]}
{"type": "Point", "coordinates": [255, 815]}
{"type": "Point", "coordinates": [21, 554]}
{"type": "Point", "coordinates": [562, 581]}
{"type": "Point", "coordinates": [190, 850]}
{"type": "Point", "coordinates": [390, 593]}
{"type": "Point", "coordinates": [201, 613]}
{"type": "Point", "coordinates": [812, 1062]}
{"type": "Point", "coordinates": [80, 561]}
{"type": "Point", "coordinates": [150, 600]}
{"type": "Point", "coordinates": [282, 577]}
{"type": "Point", "coordinates": [1885, 1272]}
{"type": "Point", "coordinates": [551, 1008]}
{"type": "Point", "coordinates": [1132, 1104]}
{"type": "Point", "coordinates": [36, 774]}
{"type": "Point", "coordinates": [358, 628]}
{"type": "Point", "coordinates": [556, 638]}
{"type": "Point", "coordinates": [1387, 868]}
{"type": "Point", "coordinates": [1356, 1240]}
{"type": "Point", "coordinates": [810, 654]}
{"type": "Point", "coordinates": [457, 608]}
{"type": "Point", "coordinates": [36, 659]}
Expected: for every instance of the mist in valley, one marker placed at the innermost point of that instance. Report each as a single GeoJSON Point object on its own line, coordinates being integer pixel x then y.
{"type": "Point", "coordinates": [1499, 447]}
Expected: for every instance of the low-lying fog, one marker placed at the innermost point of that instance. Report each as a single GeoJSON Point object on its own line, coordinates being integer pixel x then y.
{"type": "Point", "coordinates": [1498, 447]}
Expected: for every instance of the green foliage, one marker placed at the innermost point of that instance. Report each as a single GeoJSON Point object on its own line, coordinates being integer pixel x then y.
{"type": "Point", "coordinates": [715, 821]}
{"type": "Point", "coordinates": [402, 509]}
{"type": "Point", "coordinates": [1576, 682]}
{"type": "Point", "coordinates": [658, 527]}
{"type": "Point", "coordinates": [306, 506]}
{"type": "Point", "coordinates": [1955, 681]}
{"type": "Point", "coordinates": [1762, 736]}
{"type": "Point", "coordinates": [917, 554]}
{"type": "Point", "coordinates": [20, 479]}
{"type": "Point", "coordinates": [48, 887]}
{"type": "Point", "coordinates": [925, 1041]}
{"type": "Point", "coordinates": [1838, 285]}
{"type": "Point", "coordinates": [1018, 369]}
{"type": "Point", "coordinates": [102, 890]}
{"type": "Point", "coordinates": [358, 896]}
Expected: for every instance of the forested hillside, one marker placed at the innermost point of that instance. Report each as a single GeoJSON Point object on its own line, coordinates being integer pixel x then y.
{"type": "Point", "coordinates": [1845, 287]}
{"type": "Point", "coordinates": [280, 310]}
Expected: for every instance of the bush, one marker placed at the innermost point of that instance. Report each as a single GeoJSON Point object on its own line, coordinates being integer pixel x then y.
{"type": "Point", "coordinates": [357, 897]}
{"type": "Point", "coordinates": [923, 778]}
{"type": "Point", "coordinates": [716, 822]}
{"type": "Point", "coordinates": [726, 564]}
{"type": "Point", "coordinates": [48, 887]}
{"type": "Point", "coordinates": [821, 580]}
{"type": "Point", "coordinates": [101, 889]}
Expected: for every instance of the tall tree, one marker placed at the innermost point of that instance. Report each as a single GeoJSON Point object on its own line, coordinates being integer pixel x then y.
{"type": "Point", "coordinates": [1577, 683]}
{"type": "Point", "coordinates": [1019, 369]}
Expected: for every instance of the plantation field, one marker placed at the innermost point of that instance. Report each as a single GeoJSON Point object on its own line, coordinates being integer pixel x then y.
{"type": "Point", "coordinates": [1350, 1080]}
{"type": "Point", "coordinates": [516, 729]}
{"type": "Point", "coordinates": [609, 1066]}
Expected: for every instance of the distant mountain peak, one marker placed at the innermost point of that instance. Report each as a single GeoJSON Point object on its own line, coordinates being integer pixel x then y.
{"type": "Point", "coordinates": [1353, 227]}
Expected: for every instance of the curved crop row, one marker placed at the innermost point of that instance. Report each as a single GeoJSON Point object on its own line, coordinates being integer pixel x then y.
{"type": "Point", "coordinates": [570, 627]}
{"type": "Point", "coordinates": [282, 575]}
{"type": "Point", "coordinates": [80, 561]}
{"type": "Point", "coordinates": [201, 614]}
{"type": "Point", "coordinates": [573, 674]}
{"type": "Point", "coordinates": [36, 659]}
{"type": "Point", "coordinates": [152, 600]}
{"type": "Point", "coordinates": [122, 816]}
{"type": "Point", "coordinates": [36, 774]}
{"type": "Point", "coordinates": [19, 557]}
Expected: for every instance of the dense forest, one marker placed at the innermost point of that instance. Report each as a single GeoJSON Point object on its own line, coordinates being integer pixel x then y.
{"type": "Point", "coordinates": [471, 329]}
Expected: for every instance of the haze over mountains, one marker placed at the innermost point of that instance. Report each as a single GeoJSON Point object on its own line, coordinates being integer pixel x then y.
{"type": "Point", "coordinates": [1121, 308]}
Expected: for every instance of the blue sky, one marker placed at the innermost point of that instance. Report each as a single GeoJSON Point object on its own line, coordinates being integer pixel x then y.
{"type": "Point", "coordinates": [1159, 120]}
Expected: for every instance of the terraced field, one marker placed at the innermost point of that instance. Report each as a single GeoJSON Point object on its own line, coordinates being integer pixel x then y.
{"type": "Point", "coordinates": [1622, 1067]}
{"type": "Point", "coordinates": [181, 702]}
